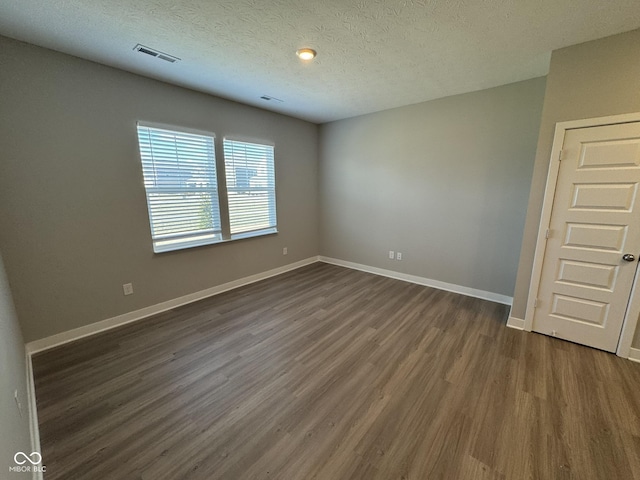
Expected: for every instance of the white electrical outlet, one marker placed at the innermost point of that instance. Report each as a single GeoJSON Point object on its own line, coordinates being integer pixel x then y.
{"type": "Point", "coordinates": [18, 403]}
{"type": "Point", "coordinates": [285, 250]}
{"type": "Point", "coordinates": [127, 288]}
{"type": "Point", "coordinates": [391, 254]}
{"type": "Point", "coordinates": [398, 256]}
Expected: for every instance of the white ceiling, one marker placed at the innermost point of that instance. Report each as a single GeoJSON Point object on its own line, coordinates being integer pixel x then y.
{"type": "Point", "coordinates": [372, 54]}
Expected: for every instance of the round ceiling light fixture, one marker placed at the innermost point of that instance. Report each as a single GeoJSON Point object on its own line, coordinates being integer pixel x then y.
{"type": "Point", "coordinates": [306, 54]}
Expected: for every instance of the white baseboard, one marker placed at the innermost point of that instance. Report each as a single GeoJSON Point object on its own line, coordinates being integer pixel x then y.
{"type": "Point", "coordinates": [514, 322]}
{"type": "Point", "coordinates": [109, 323]}
{"type": "Point", "coordinates": [634, 354]}
{"type": "Point", "coordinates": [34, 428]}
{"type": "Point", "coordinates": [427, 282]}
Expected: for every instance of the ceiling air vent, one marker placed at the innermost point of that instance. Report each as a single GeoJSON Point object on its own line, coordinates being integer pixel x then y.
{"type": "Point", "coordinates": [156, 53]}
{"type": "Point", "coordinates": [269, 98]}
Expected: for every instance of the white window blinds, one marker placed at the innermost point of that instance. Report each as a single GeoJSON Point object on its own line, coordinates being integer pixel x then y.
{"type": "Point", "coordinates": [251, 187]}
{"type": "Point", "coordinates": [179, 171]}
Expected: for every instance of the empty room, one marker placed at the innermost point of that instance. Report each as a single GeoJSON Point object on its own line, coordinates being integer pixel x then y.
{"type": "Point", "coordinates": [319, 240]}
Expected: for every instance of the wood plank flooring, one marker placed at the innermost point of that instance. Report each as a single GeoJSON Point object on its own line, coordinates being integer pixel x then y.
{"type": "Point", "coordinates": [328, 373]}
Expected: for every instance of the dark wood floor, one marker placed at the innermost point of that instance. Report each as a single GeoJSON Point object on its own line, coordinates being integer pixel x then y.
{"type": "Point", "coordinates": [333, 374]}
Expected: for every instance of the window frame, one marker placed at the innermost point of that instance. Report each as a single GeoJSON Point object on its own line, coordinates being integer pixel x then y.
{"type": "Point", "coordinates": [271, 229]}
{"type": "Point", "coordinates": [219, 164]}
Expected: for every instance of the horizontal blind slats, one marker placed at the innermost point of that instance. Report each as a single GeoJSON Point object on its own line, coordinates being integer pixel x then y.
{"type": "Point", "coordinates": [250, 177]}
{"type": "Point", "coordinates": [180, 179]}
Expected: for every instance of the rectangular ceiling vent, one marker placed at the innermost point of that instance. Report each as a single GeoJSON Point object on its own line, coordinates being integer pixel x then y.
{"type": "Point", "coordinates": [156, 53]}
{"type": "Point", "coordinates": [269, 98]}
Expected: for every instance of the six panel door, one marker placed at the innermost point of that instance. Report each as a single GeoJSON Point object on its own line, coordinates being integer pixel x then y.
{"type": "Point", "coordinates": [586, 279]}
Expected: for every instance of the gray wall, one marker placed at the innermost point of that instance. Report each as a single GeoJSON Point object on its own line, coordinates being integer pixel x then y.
{"type": "Point", "coordinates": [444, 182]}
{"type": "Point", "coordinates": [73, 214]}
{"type": "Point", "coordinates": [14, 436]}
{"type": "Point", "coordinates": [593, 79]}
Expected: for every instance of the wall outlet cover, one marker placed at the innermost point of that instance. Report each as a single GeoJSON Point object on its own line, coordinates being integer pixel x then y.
{"type": "Point", "coordinates": [127, 288]}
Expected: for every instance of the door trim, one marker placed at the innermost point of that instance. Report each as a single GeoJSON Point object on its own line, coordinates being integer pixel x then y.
{"type": "Point", "coordinates": [631, 316]}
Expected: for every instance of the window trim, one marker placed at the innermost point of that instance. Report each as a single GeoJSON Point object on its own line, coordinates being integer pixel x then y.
{"type": "Point", "coordinates": [224, 236]}
{"type": "Point", "coordinates": [261, 231]}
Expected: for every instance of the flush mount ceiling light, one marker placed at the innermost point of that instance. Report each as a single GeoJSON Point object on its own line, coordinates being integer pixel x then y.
{"type": "Point", "coordinates": [306, 54]}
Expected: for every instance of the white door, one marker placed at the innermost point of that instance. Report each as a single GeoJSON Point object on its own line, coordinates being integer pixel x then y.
{"type": "Point", "coordinates": [593, 242]}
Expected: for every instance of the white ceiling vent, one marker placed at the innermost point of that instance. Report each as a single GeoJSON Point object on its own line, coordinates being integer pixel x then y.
{"type": "Point", "coordinates": [269, 98]}
{"type": "Point", "coordinates": [156, 53]}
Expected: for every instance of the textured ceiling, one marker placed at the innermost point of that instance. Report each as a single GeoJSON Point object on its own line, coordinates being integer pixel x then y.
{"type": "Point", "coordinates": [372, 54]}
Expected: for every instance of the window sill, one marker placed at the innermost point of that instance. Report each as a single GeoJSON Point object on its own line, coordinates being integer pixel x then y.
{"type": "Point", "coordinates": [202, 243]}
{"type": "Point", "coordinates": [255, 233]}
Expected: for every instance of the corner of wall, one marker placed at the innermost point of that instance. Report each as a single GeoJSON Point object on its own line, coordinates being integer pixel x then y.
{"type": "Point", "coordinates": [18, 418]}
{"type": "Point", "coordinates": [515, 322]}
{"type": "Point", "coordinates": [34, 429]}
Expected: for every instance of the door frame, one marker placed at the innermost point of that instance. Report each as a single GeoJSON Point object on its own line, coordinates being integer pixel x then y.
{"type": "Point", "coordinates": [633, 310]}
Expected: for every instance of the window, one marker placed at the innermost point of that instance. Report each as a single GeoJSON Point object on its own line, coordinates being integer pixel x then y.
{"type": "Point", "coordinates": [251, 188]}
{"type": "Point", "coordinates": [179, 172]}
{"type": "Point", "coordinates": [183, 198]}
